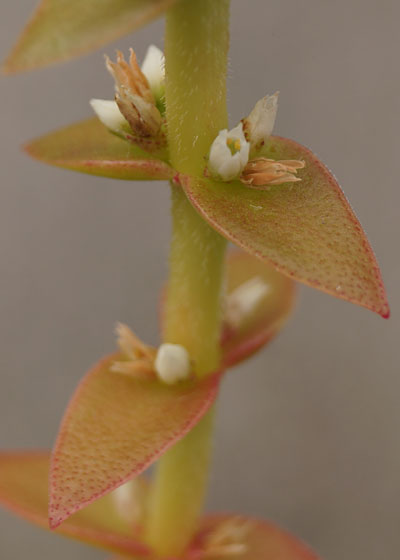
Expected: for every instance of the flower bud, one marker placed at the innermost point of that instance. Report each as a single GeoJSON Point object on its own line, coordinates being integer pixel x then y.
{"type": "Point", "coordinates": [259, 124]}
{"type": "Point", "coordinates": [229, 154]}
{"type": "Point", "coordinates": [172, 363]}
{"type": "Point", "coordinates": [245, 299]}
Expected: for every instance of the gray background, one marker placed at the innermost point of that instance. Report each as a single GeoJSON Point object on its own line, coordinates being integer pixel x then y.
{"type": "Point", "coordinates": [308, 431]}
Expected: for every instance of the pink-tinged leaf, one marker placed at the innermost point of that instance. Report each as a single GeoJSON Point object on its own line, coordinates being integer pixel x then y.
{"type": "Point", "coordinates": [116, 426]}
{"type": "Point", "coordinates": [229, 536]}
{"type": "Point", "coordinates": [259, 321]}
{"type": "Point", "coordinates": [62, 29]}
{"type": "Point", "coordinates": [306, 230]}
{"type": "Point", "coordinates": [24, 490]}
{"type": "Point", "coordinates": [271, 299]}
{"type": "Point", "coordinates": [89, 147]}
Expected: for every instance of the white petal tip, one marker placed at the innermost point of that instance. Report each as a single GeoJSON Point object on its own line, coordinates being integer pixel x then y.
{"type": "Point", "coordinates": [109, 114]}
{"type": "Point", "coordinates": [153, 69]}
{"type": "Point", "coordinates": [260, 122]}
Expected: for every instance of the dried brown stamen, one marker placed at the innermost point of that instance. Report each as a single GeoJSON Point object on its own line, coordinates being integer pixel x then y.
{"type": "Point", "coordinates": [262, 172]}
{"type": "Point", "coordinates": [139, 358]}
{"type": "Point", "coordinates": [134, 96]}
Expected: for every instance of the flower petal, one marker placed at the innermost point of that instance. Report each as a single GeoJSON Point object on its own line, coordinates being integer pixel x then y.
{"type": "Point", "coordinates": [306, 230]}
{"type": "Point", "coordinates": [260, 540]}
{"type": "Point", "coordinates": [62, 29]}
{"type": "Point", "coordinates": [24, 490]}
{"type": "Point", "coordinates": [114, 428]}
{"type": "Point", "coordinates": [89, 147]}
{"type": "Point", "coordinates": [264, 316]}
{"type": "Point", "coordinates": [222, 162]}
{"type": "Point", "coordinates": [153, 68]}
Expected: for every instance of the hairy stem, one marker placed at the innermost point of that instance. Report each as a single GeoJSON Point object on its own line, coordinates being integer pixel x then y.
{"type": "Point", "coordinates": [196, 60]}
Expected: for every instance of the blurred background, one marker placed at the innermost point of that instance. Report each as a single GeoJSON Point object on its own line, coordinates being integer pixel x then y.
{"type": "Point", "coordinates": [308, 431]}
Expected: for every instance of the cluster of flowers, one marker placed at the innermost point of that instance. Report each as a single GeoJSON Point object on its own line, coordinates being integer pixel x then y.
{"type": "Point", "coordinates": [139, 110]}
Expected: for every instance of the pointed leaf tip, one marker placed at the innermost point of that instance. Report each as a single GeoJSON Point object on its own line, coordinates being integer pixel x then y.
{"type": "Point", "coordinates": [107, 523]}
{"type": "Point", "coordinates": [62, 29]}
{"type": "Point", "coordinates": [89, 147]}
{"type": "Point", "coordinates": [306, 230]}
{"type": "Point", "coordinates": [116, 426]}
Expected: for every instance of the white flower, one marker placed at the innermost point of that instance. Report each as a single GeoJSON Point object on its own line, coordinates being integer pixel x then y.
{"type": "Point", "coordinates": [259, 124]}
{"type": "Point", "coordinates": [134, 96]}
{"type": "Point", "coordinates": [135, 101]}
{"type": "Point", "coordinates": [172, 363]}
{"type": "Point", "coordinates": [110, 115]}
{"type": "Point", "coordinates": [153, 69]}
{"type": "Point", "coordinates": [229, 153]}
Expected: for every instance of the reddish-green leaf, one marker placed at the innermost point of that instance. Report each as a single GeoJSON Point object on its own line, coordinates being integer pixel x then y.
{"type": "Point", "coordinates": [116, 426]}
{"type": "Point", "coordinates": [24, 490]}
{"type": "Point", "coordinates": [62, 29]}
{"type": "Point", "coordinates": [250, 539]}
{"type": "Point", "coordinates": [306, 230]}
{"type": "Point", "coordinates": [89, 147]}
{"type": "Point", "coordinates": [267, 314]}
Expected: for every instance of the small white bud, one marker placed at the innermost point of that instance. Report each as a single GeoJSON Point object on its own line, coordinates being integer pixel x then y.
{"type": "Point", "coordinates": [260, 123]}
{"type": "Point", "coordinates": [229, 154]}
{"type": "Point", "coordinates": [153, 69]}
{"type": "Point", "coordinates": [172, 363]}
{"type": "Point", "coordinates": [128, 500]}
{"type": "Point", "coordinates": [110, 115]}
{"type": "Point", "coordinates": [245, 299]}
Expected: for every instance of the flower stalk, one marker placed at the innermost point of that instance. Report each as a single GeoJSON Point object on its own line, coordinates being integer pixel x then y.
{"type": "Point", "coordinates": [196, 50]}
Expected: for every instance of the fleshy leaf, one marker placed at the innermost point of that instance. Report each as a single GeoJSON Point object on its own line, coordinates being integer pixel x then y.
{"type": "Point", "coordinates": [89, 147]}
{"type": "Point", "coordinates": [306, 230]}
{"type": "Point", "coordinates": [116, 426]}
{"type": "Point", "coordinates": [24, 490]}
{"type": "Point", "coordinates": [267, 314]}
{"type": "Point", "coordinates": [62, 29]}
{"type": "Point", "coordinates": [229, 536]}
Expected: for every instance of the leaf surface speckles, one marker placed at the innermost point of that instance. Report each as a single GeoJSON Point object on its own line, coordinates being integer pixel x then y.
{"type": "Point", "coordinates": [306, 230]}
{"type": "Point", "coordinates": [89, 147]}
{"type": "Point", "coordinates": [24, 490]}
{"type": "Point", "coordinates": [116, 426]}
{"type": "Point", "coordinates": [62, 29]}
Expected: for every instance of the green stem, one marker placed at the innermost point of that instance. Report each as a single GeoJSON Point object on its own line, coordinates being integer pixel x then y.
{"type": "Point", "coordinates": [196, 59]}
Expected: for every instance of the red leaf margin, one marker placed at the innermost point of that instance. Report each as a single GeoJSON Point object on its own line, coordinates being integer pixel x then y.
{"type": "Point", "coordinates": [209, 386]}
{"type": "Point", "coordinates": [108, 539]}
{"type": "Point", "coordinates": [231, 223]}
{"type": "Point", "coordinates": [87, 146]}
{"type": "Point", "coordinates": [270, 541]}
